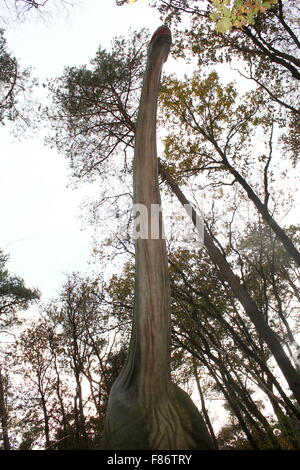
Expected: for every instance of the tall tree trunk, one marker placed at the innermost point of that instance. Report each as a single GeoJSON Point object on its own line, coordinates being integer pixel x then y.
{"type": "Point", "coordinates": [240, 292]}
{"type": "Point", "coordinates": [80, 419]}
{"type": "Point", "coordinates": [283, 420]}
{"type": "Point", "coordinates": [243, 340]}
{"type": "Point", "coordinates": [264, 212]}
{"type": "Point", "coordinates": [261, 207]}
{"type": "Point", "coordinates": [240, 395]}
{"type": "Point", "coordinates": [254, 410]}
{"type": "Point", "coordinates": [203, 407]}
{"type": "Point", "coordinates": [45, 414]}
{"type": "Point", "coordinates": [65, 422]}
{"type": "Point", "coordinates": [235, 407]}
{"type": "Point", "coordinates": [3, 415]}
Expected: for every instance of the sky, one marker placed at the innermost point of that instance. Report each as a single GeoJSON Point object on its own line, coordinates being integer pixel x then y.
{"type": "Point", "coordinates": [41, 228]}
{"type": "Point", "coordinates": [40, 225]}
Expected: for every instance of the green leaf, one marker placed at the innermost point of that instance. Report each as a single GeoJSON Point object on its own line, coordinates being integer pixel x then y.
{"type": "Point", "coordinates": [224, 25]}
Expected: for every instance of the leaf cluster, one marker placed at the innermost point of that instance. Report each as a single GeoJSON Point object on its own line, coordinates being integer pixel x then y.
{"type": "Point", "coordinates": [14, 84]}
{"type": "Point", "coordinates": [228, 15]}
{"type": "Point", "coordinates": [94, 108]}
{"type": "Point", "coordinates": [14, 295]}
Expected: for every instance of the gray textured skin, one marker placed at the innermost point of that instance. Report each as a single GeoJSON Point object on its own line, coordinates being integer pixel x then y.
{"type": "Point", "coordinates": [145, 409]}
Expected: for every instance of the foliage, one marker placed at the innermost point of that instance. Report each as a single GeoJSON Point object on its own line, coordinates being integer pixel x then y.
{"type": "Point", "coordinates": [211, 131]}
{"type": "Point", "coordinates": [15, 84]}
{"type": "Point", "coordinates": [214, 130]}
{"type": "Point", "coordinates": [66, 361]}
{"type": "Point", "coordinates": [94, 108]}
{"type": "Point", "coordinates": [62, 367]}
{"type": "Point", "coordinates": [14, 295]}
{"type": "Point", "coordinates": [208, 325]}
{"type": "Point", "coordinates": [227, 14]}
{"type": "Point", "coordinates": [236, 14]}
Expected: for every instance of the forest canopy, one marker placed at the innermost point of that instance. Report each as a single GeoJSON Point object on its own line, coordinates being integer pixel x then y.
{"type": "Point", "coordinates": [228, 142]}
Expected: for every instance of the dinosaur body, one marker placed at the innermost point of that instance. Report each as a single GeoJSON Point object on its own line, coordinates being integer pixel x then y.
{"type": "Point", "coordinates": [145, 409]}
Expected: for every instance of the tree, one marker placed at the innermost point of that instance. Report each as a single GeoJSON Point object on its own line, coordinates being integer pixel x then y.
{"type": "Point", "coordinates": [217, 134]}
{"type": "Point", "coordinates": [17, 9]}
{"type": "Point", "coordinates": [13, 85]}
{"type": "Point", "coordinates": [218, 256]}
{"type": "Point", "coordinates": [62, 367]}
{"type": "Point", "coordinates": [220, 155]}
{"type": "Point", "coordinates": [246, 115]}
{"type": "Point", "coordinates": [209, 325]}
{"type": "Point", "coordinates": [269, 47]}
{"type": "Point", "coordinates": [214, 329]}
{"type": "Point", "coordinates": [228, 14]}
{"type": "Point", "coordinates": [14, 296]}
{"type": "Point", "coordinates": [94, 107]}
{"type": "Point", "coordinates": [67, 360]}
{"type": "Point", "coordinates": [35, 364]}
{"type": "Point", "coordinates": [3, 414]}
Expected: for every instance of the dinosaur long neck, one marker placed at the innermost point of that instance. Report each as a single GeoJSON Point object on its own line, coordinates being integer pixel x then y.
{"type": "Point", "coordinates": [149, 356]}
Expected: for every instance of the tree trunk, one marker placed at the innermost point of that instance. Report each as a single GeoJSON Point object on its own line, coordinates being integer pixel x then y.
{"type": "Point", "coordinates": [283, 419]}
{"type": "Point", "coordinates": [240, 292]}
{"type": "Point", "coordinates": [3, 415]}
{"type": "Point", "coordinates": [235, 407]}
{"type": "Point", "coordinates": [264, 212]}
{"type": "Point", "coordinates": [46, 416]}
{"type": "Point", "coordinates": [203, 407]}
{"type": "Point", "coordinates": [79, 411]}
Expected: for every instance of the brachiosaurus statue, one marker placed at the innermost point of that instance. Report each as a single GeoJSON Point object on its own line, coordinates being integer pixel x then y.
{"type": "Point", "coordinates": [145, 409]}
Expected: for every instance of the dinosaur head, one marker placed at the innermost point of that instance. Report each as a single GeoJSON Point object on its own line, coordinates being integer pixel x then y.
{"type": "Point", "coordinates": [160, 43]}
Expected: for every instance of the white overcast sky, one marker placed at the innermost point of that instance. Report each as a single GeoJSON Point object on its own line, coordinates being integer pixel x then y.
{"type": "Point", "coordinates": [39, 215]}
{"type": "Point", "coordinates": [40, 228]}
